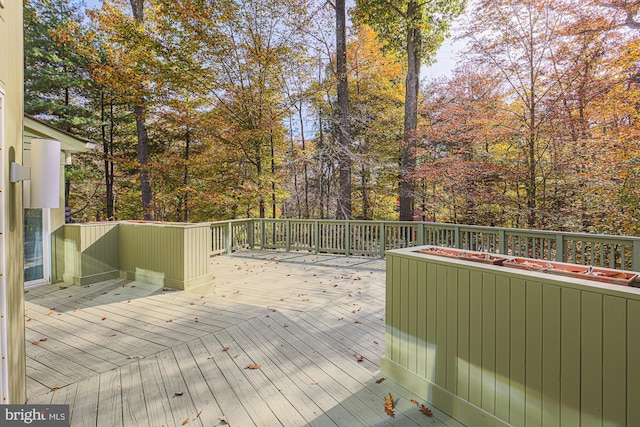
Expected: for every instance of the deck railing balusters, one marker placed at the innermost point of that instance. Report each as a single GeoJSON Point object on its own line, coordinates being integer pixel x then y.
{"type": "Point", "coordinates": [374, 238]}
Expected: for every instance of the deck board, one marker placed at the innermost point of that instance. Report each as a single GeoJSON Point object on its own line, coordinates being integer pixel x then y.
{"type": "Point", "coordinates": [275, 309]}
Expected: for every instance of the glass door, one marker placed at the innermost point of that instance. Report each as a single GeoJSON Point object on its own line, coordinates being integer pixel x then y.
{"type": "Point", "coordinates": [33, 246]}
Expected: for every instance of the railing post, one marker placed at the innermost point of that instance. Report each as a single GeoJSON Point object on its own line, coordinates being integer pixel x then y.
{"type": "Point", "coordinates": [458, 234]}
{"type": "Point", "coordinates": [421, 234]}
{"type": "Point", "coordinates": [316, 230]}
{"type": "Point", "coordinates": [347, 238]}
{"type": "Point", "coordinates": [261, 234]}
{"type": "Point", "coordinates": [229, 238]}
{"type": "Point", "coordinates": [635, 253]}
{"type": "Point", "coordinates": [251, 233]}
{"type": "Point", "coordinates": [560, 248]}
{"type": "Point", "coordinates": [383, 239]}
{"type": "Point", "coordinates": [502, 242]}
{"type": "Point", "coordinates": [288, 232]}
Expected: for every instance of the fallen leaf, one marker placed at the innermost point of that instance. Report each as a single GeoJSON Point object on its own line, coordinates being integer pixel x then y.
{"type": "Point", "coordinates": [359, 357]}
{"type": "Point", "coordinates": [185, 421]}
{"type": "Point", "coordinates": [379, 380]}
{"type": "Point", "coordinates": [128, 301]}
{"type": "Point", "coordinates": [225, 348]}
{"type": "Point", "coordinates": [55, 388]}
{"type": "Point", "coordinates": [36, 343]}
{"type": "Point", "coordinates": [192, 303]}
{"type": "Point", "coordinates": [251, 366]}
{"type": "Point", "coordinates": [43, 339]}
{"type": "Point", "coordinates": [104, 318]}
{"type": "Point", "coordinates": [223, 419]}
{"type": "Point", "coordinates": [197, 320]}
{"type": "Point", "coordinates": [357, 322]}
{"type": "Point", "coordinates": [178, 393]}
{"type": "Point", "coordinates": [77, 309]}
{"type": "Point", "coordinates": [29, 320]}
{"type": "Point", "coordinates": [388, 406]}
{"type": "Point", "coordinates": [236, 292]}
{"type": "Point", "coordinates": [376, 342]}
{"type": "Point", "coordinates": [340, 318]}
{"type": "Point", "coordinates": [62, 287]}
{"type": "Point", "coordinates": [426, 410]}
{"type": "Point", "coordinates": [211, 357]}
{"type": "Point", "coordinates": [50, 313]}
{"type": "Point", "coordinates": [415, 402]}
{"type": "Point", "coordinates": [314, 383]}
{"type": "Point", "coordinates": [170, 320]}
{"type": "Point", "coordinates": [112, 335]}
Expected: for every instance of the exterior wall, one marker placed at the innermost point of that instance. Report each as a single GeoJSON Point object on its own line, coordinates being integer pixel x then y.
{"type": "Point", "coordinates": [495, 346]}
{"type": "Point", "coordinates": [11, 78]}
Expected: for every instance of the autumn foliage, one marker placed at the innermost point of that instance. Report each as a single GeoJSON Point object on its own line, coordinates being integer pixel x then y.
{"type": "Point", "coordinates": [538, 126]}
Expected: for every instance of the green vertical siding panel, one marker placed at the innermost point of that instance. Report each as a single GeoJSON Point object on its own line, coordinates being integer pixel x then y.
{"type": "Point", "coordinates": [614, 358]}
{"type": "Point", "coordinates": [411, 307]}
{"type": "Point", "coordinates": [475, 338]}
{"type": "Point", "coordinates": [421, 301]}
{"type": "Point", "coordinates": [570, 335]}
{"type": "Point", "coordinates": [395, 317]}
{"type": "Point", "coordinates": [591, 374]}
{"type": "Point", "coordinates": [388, 304]}
{"type": "Point", "coordinates": [517, 352]}
{"type": "Point", "coordinates": [404, 313]}
{"type": "Point", "coordinates": [441, 327]}
{"type": "Point", "coordinates": [489, 342]}
{"type": "Point", "coordinates": [432, 303]}
{"type": "Point", "coordinates": [463, 334]}
{"type": "Point", "coordinates": [452, 329]}
{"type": "Point", "coordinates": [503, 338]}
{"type": "Point", "coordinates": [533, 367]}
{"type": "Point", "coordinates": [551, 356]}
{"type": "Point", "coordinates": [633, 366]}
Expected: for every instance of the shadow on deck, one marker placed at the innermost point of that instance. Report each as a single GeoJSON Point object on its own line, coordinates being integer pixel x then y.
{"type": "Point", "coordinates": [124, 353]}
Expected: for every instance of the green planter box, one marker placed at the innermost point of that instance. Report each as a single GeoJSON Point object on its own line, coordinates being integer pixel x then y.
{"type": "Point", "coordinates": [174, 255]}
{"type": "Point", "coordinates": [495, 346]}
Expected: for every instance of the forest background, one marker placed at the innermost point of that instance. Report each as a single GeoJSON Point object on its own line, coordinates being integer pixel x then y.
{"type": "Point", "coordinates": [208, 110]}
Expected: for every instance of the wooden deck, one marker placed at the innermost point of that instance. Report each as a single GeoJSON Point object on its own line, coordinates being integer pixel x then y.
{"type": "Point", "coordinates": [124, 353]}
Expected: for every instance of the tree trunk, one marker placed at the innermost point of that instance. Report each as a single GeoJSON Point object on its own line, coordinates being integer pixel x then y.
{"type": "Point", "coordinates": [186, 175]}
{"type": "Point", "coordinates": [410, 115]}
{"type": "Point", "coordinates": [304, 163]}
{"type": "Point", "coordinates": [273, 176]}
{"type": "Point", "coordinates": [344, 142]}
{"type": "Point", "coordinates": [140, 112]}
{"type": "Point", "coordinates": [107, 160]}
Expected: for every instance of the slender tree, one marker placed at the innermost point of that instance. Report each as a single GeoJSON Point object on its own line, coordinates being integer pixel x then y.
{"type": "Point", "coordinates": [343, 125]}
{"type": "Point", "coordinates": [414, 28]}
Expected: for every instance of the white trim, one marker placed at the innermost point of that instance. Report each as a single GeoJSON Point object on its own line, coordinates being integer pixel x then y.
{"type": "Point", "coordinates": [4, 360]}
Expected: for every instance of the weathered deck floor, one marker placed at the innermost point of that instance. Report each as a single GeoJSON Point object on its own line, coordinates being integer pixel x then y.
{"type": "Point", "coordinates": [127, 353]}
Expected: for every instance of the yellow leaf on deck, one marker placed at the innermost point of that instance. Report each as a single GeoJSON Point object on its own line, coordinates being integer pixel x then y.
{"type": "Point", "coordinates": [388, 406]}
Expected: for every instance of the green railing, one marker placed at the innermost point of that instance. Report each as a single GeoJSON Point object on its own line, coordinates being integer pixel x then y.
{"type": "Point", "coordinates": [373, 238]}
